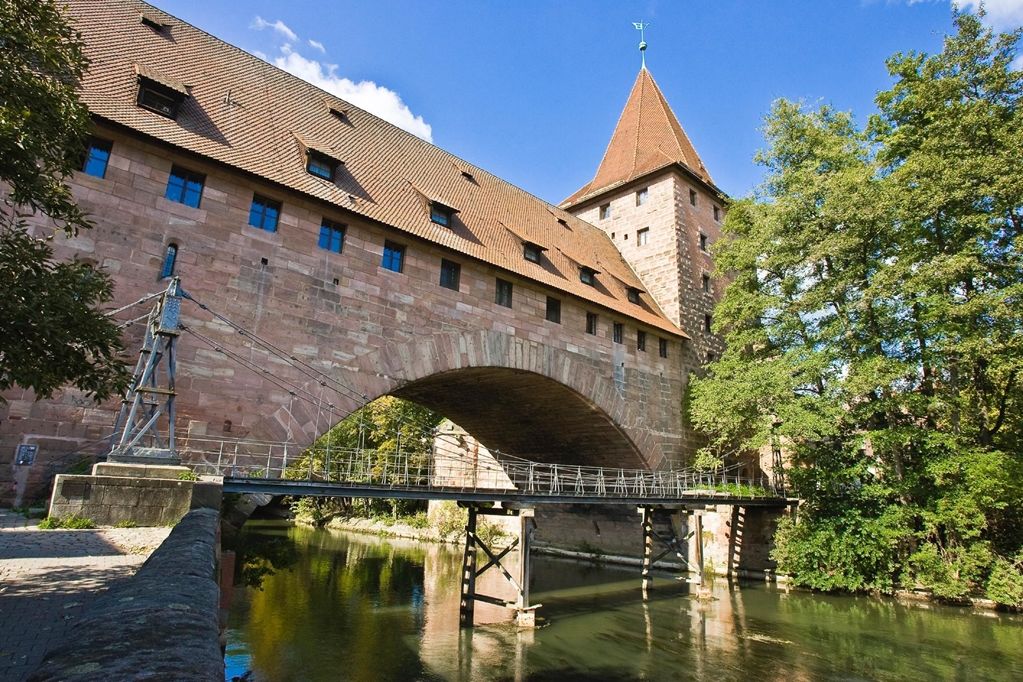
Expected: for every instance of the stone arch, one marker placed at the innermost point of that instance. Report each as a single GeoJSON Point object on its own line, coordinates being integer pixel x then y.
{"type": "Point", "coordinates": [427, 369]}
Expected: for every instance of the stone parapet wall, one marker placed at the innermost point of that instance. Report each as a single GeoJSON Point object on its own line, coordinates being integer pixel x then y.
{"type": "Point", "coordinates": [162, 624]}
{"type": "Point", "coordinates": [109, 500]}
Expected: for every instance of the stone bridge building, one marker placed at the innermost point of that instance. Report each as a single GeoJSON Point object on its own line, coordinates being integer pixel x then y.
{"type": "Point", "coordinates": [387, 264]}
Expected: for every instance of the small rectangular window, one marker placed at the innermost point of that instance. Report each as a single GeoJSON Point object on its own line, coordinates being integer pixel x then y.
{"type": "Point", "coordinates": [641, 340]}
{"type": "Point", "coordinates": [662, 347]}
{"type": "Point", "coordinates": [703, 242]}
{"type": "Point", "coordinates": [591, 323]}
{"type": "Point", "coordinates": [170, 259]}
{"type": "Point", "coordinates": [641, 196]}
{"type": "Point", "coordinates": [394, 257]}
{"type": "Point", "coordinates": [450, 274]}
{"type": "Point", "coordinates": [717, 213]}
{"type": "Point", "coordinates": [264, 213]}
{"type": "Point", "coordinates": [617, 332]}
{"type": "Point", "coordinates": [642, 236]}
{"type": "Point", "coordinates": [705, 282]}
{"type": "Point", "coordinates": [97, 155]}
{"type": "Point", "coordinates": [185, 187]}
{"type": "Point", "coordinates": [332, 236]}
{"type": "Point", "coordinates": [692, 197]}
{"type": "Point", "coordinates": [321, 165]}
{"type": "Point", "coordinates": [160, 100]}
{"type": "Point", "coordinates": [605, 211]}
{"type": "Point", "coordinates": [553, 310]}
{"type": "Point", "coordinates": [503, 294]}
{"type": "Point", "coordinates": [531, 252]}
{"type": "Point", "coordinates": [707, 321]}
{"type": "Point", "coordinates": [588, 276]}
{"type": "Point", "coordinates": [440, 214]}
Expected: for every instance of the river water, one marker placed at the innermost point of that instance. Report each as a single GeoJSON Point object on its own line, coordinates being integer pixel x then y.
{"type": "Point", "coordinates": [339, 606]}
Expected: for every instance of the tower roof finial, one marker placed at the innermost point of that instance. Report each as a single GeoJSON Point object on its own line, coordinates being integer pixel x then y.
{"type": "Point", "coordinates": [641, 27]}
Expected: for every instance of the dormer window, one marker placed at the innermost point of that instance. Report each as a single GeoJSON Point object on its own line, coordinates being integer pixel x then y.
{"type": "Point", "coordinates": [633, 294]}
{"type": "Point", "coordinates": [153, 22]}
{"type": "Point", "coordinates": [321, 165]}
{"type": "Point", "coordinates": [588, 276]}
{"type": "Point", "coordinates": [339, 114]}
{"type": "Point", "coordinates": [441, 214]}
{"type": "Point", "coordinates": [160, 94]}
{"type": "Point", "coordinates": [532, 252]}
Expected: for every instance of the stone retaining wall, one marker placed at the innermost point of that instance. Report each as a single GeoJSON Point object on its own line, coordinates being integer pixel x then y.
{"type": "Point", "coordinates": [143, 500]}
{"type": "Point", "coordinates": [162, 624]}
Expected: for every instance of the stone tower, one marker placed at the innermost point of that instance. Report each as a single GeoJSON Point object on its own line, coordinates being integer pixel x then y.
{"type": "Point", "coordinates": [656, 200]}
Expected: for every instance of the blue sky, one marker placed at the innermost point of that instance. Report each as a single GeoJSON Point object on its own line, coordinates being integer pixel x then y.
{"type": "Point", "coordinates": [531, 90]}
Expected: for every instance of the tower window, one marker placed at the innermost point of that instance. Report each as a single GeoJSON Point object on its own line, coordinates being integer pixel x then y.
{"type": "Point", "coordinates": [642, 195]}
{"type": "Point", "coordinates": [692, 197]}
{"type": "Point", "coordinates": [185, 187]}
{"type": "Point", "coordinates": [617, 332]}
{"type": "Point", "coordinates": [642, 236]}
{"type": "Point", "coordinates": [441, 214]}
{"type": "Point", "coordinates": [705, 281]}
{"type": "Point", "coordinates": [264, 213]}
{"type": "Point", "coordinates": [553, 310]}
{"type": "Point", "coordinates": [588, 276]}
{"type": "Point", "coordinates": [605, 211]}
{"type": "Point", "coordinates": [641, 340]}
{"type": "Point", "coordinates": [662, 347]}
{"type": "Point", "coordinates": [332, 236]}
{"type": "Point", "coordinates": [703, 242]}
{"type": "Point", "coordinates": [97, 155]}
{"type": "Point", "coordinates": [320, 165]}
{"type": "Point", "coordinates": [707, 322]}
{"type": "Point", "coordinates": [503, 295]}
{"type": "Point", "coordinates": [394, 257]}
{"type": "Point", "coordinates": [450, 274]}
{"type": "Point", "coordinates": [717, 213]}
{"type": "Point", "coordinates": [170, 259]}
{"type": "Point", "coordinates": [591, 323]}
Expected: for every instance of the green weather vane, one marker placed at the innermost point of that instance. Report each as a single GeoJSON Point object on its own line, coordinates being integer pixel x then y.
{"type": "Point", "coordinates": [641, 27]}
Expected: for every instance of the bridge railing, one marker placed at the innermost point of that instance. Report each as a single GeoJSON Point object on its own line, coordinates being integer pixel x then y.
{"type": "Point", "coordinates": [416, 472]}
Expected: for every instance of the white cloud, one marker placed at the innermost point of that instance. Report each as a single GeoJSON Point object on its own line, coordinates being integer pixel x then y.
{"type": "Point", "coordinates": [259, 23]}
{"type": "Point", "coordinates": [1001, 14]}
{"type": "Point", "coordinates": [376, 99]}
{"type": "Point", "coordinates": [317, 45]}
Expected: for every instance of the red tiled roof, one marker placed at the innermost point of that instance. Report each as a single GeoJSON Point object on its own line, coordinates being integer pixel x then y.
{"type": "Point", "coordinates": [250, 115]}
{"type": "Point", "coordinates": [648, 137]}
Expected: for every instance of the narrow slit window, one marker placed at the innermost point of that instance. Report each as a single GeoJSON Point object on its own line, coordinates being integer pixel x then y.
{"type": "Point", "coordinates": [662, 347]}
{"type": "Point", "coordinates": [553, 310]}
{"type": "Point", "coordinates": [703, 242]}
{"type": "Point", "coordinates": [717, 213]}
{"type": "Point", "coordinates": [394, 257]}
{"type": "Point", "coordinates": [503, 295]}
{"type": "Point", "coordinates": [332, 236]}
{"type": "Point", "coordinates": [185, 187]}
{"type": "Point", "coordinates": [617, 332]}
{"type": "Point", "coordinates": [705, 282]}
{"type": "Point", "coordinates": [641, 340]}
{"type": "Point", "coordinates": [97, 156]}
{"type": "Point", "coordinates": [264, 213]}
{"type": "Point", "coordinates": [170, 260]}
{"type": "Point", "coordinates": [591, 323]}
{"type": "Point", "coordinates": [642, 196]}
{"type": "Point", "coordinates": [450, 274]}
{"type": "Point", "coordinates": [707, 322]}
{"type": "Point", "coordinates": [692, 197]}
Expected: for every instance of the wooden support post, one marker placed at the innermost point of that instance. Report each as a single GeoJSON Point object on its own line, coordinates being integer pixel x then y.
{"type": "Point", "coordinates": [698, 534]}
{"type": "Point", "coordinates": [525, 616]}
{"type": "Point", "coordinates": [466, 609]}
{"type": "Point", "coordinates": [648, 547]}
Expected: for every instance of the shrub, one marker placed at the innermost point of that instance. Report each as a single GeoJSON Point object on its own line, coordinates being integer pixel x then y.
{"type": "Point", "coordinates": [1005, 585]}
{"type": "Point", "coordinates": [188, 476]}
{"type": "Point", "coordinates": [71, 521]}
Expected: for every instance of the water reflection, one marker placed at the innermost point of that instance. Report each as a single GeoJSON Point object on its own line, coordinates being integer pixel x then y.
{"type": "Point", "coordinates": [362, 608]}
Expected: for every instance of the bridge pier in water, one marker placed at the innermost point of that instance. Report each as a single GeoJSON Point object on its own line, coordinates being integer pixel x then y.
{"type": "Point", "coordinates": [525, 614]}
{"type": "Point", "coordinates": [661, 535]}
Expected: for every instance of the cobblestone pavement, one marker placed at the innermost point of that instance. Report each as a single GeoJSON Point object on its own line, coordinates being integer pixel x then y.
{"type": "Point", "coordinates": [48, 576]}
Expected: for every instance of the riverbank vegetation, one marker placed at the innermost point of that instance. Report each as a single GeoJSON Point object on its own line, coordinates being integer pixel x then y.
{"type": "Point", "coordinates": [874, 325]}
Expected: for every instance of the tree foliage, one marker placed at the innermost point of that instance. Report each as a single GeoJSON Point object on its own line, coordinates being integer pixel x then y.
{"type": "Point", "coordinates": [875, 324]}
{"type": "Point", "coordinates": [50, 330]}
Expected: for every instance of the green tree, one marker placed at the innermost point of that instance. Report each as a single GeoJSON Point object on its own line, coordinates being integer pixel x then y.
{"type": "Point", "coordinates": [874, 324]}
{"type": "Point", "coordinates": [51, 332]}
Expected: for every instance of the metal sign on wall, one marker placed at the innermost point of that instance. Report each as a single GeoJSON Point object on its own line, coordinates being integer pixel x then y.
{"type": "Point", "coordinates": [26, 454]}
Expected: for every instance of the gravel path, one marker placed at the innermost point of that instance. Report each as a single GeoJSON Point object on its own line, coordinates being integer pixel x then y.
{"type": "Point", "coordinates": [48, 576]}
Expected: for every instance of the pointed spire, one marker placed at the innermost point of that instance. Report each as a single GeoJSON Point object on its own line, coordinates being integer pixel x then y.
{"type": "Point", "coordinates": [648, 137]}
